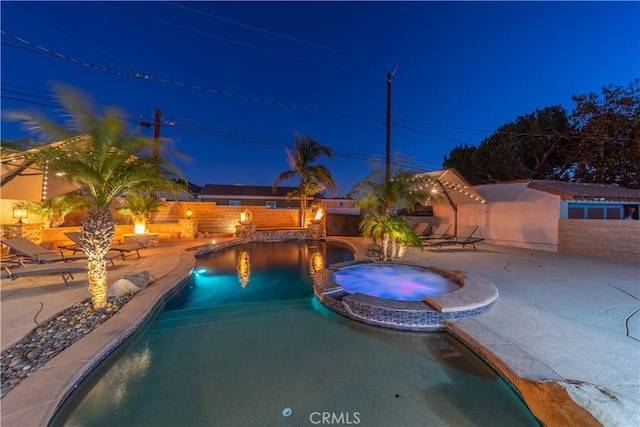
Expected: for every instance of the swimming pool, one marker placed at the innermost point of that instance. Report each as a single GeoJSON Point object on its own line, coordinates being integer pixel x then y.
{"type": "Point", "coordinates": [244, 343]}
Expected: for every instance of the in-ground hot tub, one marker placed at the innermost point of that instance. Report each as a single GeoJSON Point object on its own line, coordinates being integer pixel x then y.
{"type": "Point", "coordinates": [400, 296]}
{"type": "Point", "coordinates": [394, 281]}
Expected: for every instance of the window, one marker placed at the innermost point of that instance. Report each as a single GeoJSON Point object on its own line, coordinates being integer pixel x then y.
{"type": "Point", "coordinates": [235, 203]}
{"type": "Point", "coordinates": [595, 213]}
{"type": "Point", "coordinates": [270, 205]}
{"type": "Point", "coordinates": [576, 213]}
{"type": "Point", "coordinates": [613, 213]}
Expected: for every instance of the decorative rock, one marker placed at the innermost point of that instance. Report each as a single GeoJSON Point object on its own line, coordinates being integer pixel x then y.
{"type": "Point", "coordinates": [49, 338]}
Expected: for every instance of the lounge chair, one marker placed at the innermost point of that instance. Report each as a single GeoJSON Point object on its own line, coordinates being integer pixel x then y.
{"type": "Point", "coordinates": [439, 233]}
{"type": "Point", "coordinates": [421, 228]}
{"type": "Point", "coordinates": [36, 253]}
{"type": "Point", "coordinates": [64, 268]}
{"type": "Point", "coordinates": [464, 237]}
{"type": "Point", "coordinates": [75, 238]}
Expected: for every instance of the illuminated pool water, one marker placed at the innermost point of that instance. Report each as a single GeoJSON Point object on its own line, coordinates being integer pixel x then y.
{"type": "Point", "coordinates": [392, 281]}
{"type": "Point", "coordinates": [244, 343]}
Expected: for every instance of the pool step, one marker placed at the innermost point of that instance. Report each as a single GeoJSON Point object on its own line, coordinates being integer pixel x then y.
{"type": "Point", "coordinates": [230, 313]}
{"type": "Point", "coordinates": [337, 295]}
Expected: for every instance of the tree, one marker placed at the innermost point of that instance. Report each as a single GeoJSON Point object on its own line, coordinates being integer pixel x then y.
{"type": "Point", "coordinates": [381, 200]}
{"type": "Point", "coordinates": [535, 145]}
{"type": "Point", "coordinates": [376, 194]}
{"type": "Point", "coordinates": [598, 142]}
{"type": "Point", "coordinates": [608, 136]}
{"type": "Point", "coordinates": [313, 178]}
{"type": "Point", "coordinates": [141, 207]}
{"type": "Point", "coordinates": [99, 154]}
{"type": "Point", "coordinates": [54, 210]}
{"type": "Point", "coordinates": [394, 232]}
{"type": "Point", "coordinates": [461, 159]}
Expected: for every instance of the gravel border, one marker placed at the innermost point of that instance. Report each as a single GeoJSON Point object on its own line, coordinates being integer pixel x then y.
{"type": "Point", "coordinates": [51, 337]}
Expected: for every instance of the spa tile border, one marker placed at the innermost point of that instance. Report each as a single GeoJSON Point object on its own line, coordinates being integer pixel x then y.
{"type": "Point", "coordinates": [475, 296]}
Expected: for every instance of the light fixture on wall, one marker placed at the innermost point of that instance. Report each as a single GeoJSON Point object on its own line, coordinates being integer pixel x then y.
{"type": "Point", "coordinates": [317, 219]}
{"type": "Point", "coordinates": [189, 213]}
{"type": "Point", "coordinates": [20, 213]}
{"type": "Point", "coordinates": [245, 217]}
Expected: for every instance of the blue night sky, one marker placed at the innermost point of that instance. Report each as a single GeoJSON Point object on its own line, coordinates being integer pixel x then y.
{"type": "Point", "coordinates": [316, 69]}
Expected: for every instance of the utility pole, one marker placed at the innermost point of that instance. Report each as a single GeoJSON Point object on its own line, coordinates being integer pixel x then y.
{"type": "Point", "coordinates": [156, 137]}
{"type": "Point", "coordinates": [156, 134]}
{"type": "Point", "coordinates": [388, 158]}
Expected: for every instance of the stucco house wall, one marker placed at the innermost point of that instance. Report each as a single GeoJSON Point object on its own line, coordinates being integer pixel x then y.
{"type": "Point", "coordinates": [514, 215]}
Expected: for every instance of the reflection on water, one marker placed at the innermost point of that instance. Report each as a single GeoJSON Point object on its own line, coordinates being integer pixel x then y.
{"type": "Point", "coordinates": [113, 390]}
{"type": "Point", "coordinates": [316, 262]}
{"type": "Point", "coordinates": [244, 268]}
{"type": "Point", "coordinates": [266, 271]}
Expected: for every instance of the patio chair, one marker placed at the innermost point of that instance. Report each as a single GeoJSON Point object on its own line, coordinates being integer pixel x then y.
{"type": "Point", "coordinates": [421, 228]}
{"type": "Point", "coordinates": [439, 233]}
{"type": "Point", "coordinates": [31, 251]}
{"type": "Point", "coordinates": [75, 238]}
{"type": "Point", "coordinates": [464, 237]}
{"type": "Point", "coordinates": [65, 269]}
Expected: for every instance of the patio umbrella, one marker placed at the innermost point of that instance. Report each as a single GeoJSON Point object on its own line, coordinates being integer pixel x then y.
{"type": "Point", "coordinates": [455, 189]}
{"type": "Point", "coordinates": [21, 179]}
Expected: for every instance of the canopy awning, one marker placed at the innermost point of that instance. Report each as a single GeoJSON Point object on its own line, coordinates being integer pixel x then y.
{"type": "Point", "coordinates": [21, 179]}
{"type": "Point", "coordinates": [451, 186]}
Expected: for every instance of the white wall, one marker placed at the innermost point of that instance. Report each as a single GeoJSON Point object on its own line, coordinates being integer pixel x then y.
{"type": "Point", "coordinates": [514, 215]}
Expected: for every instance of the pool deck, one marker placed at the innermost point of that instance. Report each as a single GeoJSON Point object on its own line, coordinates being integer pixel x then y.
{"type": "Point", "coordinates": [564, 330]}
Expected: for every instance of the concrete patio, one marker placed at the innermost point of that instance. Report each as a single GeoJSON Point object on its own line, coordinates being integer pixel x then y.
{"type": "Point", "coordinates": [568, 321]}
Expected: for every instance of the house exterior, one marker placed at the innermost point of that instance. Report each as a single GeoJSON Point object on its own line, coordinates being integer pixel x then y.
{"type": "Point", "coordinates": [248, 195]}
{"type": "Point", "coordinates": [592, 201]}
{"type": "Point", "coordinates": [569, 217]}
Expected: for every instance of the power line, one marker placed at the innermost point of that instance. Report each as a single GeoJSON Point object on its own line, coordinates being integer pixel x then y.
{"type": "Point", "coordinates": [443, 126]}
{"type": "Point", "coordinates": [273, 33]}
{"type": "Point", "coordinates": [430, 134]}
{"type": "Point", "coordinates": [370, 157]}
{"type": "Point", "coordinates": [200, 88]}
{"type": "Point", "coordinates": [48, 101]}
{"type": "Point", "coordinates": [236, 42]}
{"type": "Point", "coordinates": [254, 28]}
{"type": "Point", "coordinates": [144, 76]}
{"type": "Point", "coordinates": [63, 31]}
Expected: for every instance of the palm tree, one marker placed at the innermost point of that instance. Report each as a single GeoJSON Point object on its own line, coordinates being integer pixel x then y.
{"type": "Point", "coordinates": [377, 194]}
{"type": "Point", "coordinates": [99, 154]}
{"type": "Point", "coordinates": [54, 210]}
{"type": "Point", "coordinates": [141, 207]}
{"type": "Point", "coordinates": [380, 200]}
{"type": "Point", "coordinates": [313, 178]}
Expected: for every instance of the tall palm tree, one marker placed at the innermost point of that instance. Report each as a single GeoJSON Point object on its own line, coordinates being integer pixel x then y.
{"type": "Point", "coordinates": [313, 178]}
{"type": "Point", "coordinates": [100, 155]}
